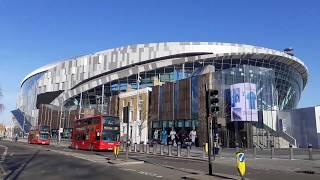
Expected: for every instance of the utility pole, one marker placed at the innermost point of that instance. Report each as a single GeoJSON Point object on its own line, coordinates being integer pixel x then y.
{"type": "Point", "coordinates": [80, 105]}
{"type": "Point", "coordinates": [102, 100]}
{"type": "Point", "coordinates": [59, 136]}
{"type": "Point", "coordinates": [125, 119]}
{"type": "Point", "coordinates": [138, 101]}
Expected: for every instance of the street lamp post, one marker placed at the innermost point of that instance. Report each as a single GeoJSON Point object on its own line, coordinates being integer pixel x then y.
{"type": "Point", "coordinates": [138, 98]}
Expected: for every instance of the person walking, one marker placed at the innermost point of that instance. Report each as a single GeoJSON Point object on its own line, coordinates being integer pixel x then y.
{"type": "Point", "coordinates": [192, 136]}
{"type": "Point", "coordinates": [173, 136]}
{"type": "Point", "coordinates": [155, 136]}
{"type": "Point", "coordinates": [164, 136]}
{"type": "Point", "coordinates": [16, 138]}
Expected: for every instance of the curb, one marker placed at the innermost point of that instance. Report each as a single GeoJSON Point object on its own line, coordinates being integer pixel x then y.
{"type": "Point", "coordinates": [124, 163]}
{"type": "Point", "coordinates": [214, 176]}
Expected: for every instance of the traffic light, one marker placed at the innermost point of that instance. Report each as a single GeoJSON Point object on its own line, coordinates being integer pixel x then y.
{"type": "Point", "coordinates": [213, 100]}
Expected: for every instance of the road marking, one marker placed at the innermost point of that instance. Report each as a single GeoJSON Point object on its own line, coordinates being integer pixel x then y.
{"type": "Point", "coordinates": [3, 157]}
{"type": "Point", "coordinates": [143, 173]}
{"type": "Point", "coordinates": [149, 174]}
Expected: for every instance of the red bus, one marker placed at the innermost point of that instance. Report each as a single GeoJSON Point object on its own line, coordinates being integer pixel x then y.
{"type": "Point", "coordinates": [39, 135]}
{"type": "Point", "coordinates": [96, 133]}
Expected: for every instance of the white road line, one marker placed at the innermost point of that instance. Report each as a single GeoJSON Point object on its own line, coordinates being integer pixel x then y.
{"type": "Point", "coordinates": [3, 156]}
{"type": "Point", "coordinates": [143, 172]}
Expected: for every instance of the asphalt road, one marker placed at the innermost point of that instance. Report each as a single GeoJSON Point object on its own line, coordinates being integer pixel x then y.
{"type": "Point", "coordinates": [25, 161]}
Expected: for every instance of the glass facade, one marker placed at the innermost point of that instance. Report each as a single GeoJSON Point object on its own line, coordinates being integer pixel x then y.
{"type": "Point", "coordinates": [27, 100]}
{"type": "Point", "coordinates": [279, 87]}
{"type": "Point", "coordinates": [288, 83]}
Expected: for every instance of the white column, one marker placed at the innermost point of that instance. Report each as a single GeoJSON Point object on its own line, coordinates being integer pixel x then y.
{"type": "Point", "coordinates": [80, 105]}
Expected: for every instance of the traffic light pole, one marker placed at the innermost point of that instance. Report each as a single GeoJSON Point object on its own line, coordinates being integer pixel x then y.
{"type": "Point", "coordinates": [126, 119]}
{"type": "Point", "coordinates": [212, 110]}
{"type": "Point", "coordinates": [214, 130]}
{"type": "Point", "coordinates": [209, 125]}
{"type": "Point", "coordinates": [209, 136]}
{"type": "Point", "coordinates": [127, 144]}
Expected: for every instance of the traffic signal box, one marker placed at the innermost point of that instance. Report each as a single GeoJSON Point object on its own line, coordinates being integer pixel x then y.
{"type": "Point", "coordinates": [213, 100]}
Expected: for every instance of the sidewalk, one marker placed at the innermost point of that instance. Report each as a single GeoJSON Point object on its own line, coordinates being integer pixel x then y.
{"type": "Point", "coordinates": [264, 163]}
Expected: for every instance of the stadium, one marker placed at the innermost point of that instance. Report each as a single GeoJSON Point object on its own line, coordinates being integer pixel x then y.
{"type": "Point", "coordinates": [165, 85]}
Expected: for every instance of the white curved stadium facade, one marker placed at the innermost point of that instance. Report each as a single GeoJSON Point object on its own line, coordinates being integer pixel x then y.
{"type": "Point", "coordinates": [68, 78]}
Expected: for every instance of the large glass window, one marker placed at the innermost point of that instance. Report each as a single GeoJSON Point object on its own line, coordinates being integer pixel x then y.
{"type": "Point", "coordinates": [44, 136]}
{"type": "Point", "coordinates": [110, 136]}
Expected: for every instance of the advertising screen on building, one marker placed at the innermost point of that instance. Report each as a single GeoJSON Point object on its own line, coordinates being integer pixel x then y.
{"type": "Point", "coordinates": [244, 102]}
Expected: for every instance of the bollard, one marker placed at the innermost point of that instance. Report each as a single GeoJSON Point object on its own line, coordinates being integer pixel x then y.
{"type": "Point", "coordinates": [141, 147]}
{"type": "Point", "coordinates": [154, 149]}
{"type": "Point", "coordinates": [161, 149]}
{"type": "Point", "coordinates": [204, 151]}
{"type": "Point", "coordinates": [237, 147]}
{"type": "Point", "coordinates": [290, 152]}
{"type": "Point", "coordinates": [188, 150]}
{"type": "Point", "coordinates": [179, 149]}
{"type": "Point", "coordinates": [135, 147]}
{"type": "Point", "coordinates": [272, 151]}
{"type": "Point", "coordinates": [129, 147]}
{"type": "Point", "coordinates": [170, 150]}
{"type": "Point", "coordinates": [124, 146]}
{"type": "Point", "coordinates": [310, 151]}
{"type": "Point", "coordinates": [121, 146]}
{"type": "Point", "coordinates": [147, 148]}
{"type": "Point", "coordinates": [254, 151]}
{"type": "Point", "coordinates": [124, 149]}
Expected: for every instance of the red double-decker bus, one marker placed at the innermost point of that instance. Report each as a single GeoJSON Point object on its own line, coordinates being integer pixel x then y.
{"type": "Point", "coordinates": [39, 135]}
{"type": "Point", "coordinates": [96, 133]}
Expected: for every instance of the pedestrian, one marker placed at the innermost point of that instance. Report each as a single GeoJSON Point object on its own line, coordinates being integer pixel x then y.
{"type": "Point", "coordinates": [164, 136]}
{"type": "Point", "coordinates": [192, 136]}
{"type": "Point", "coordinates": [173, 136]}
{"type": "Point", "coordinates": [16, 138]}
{"type": "Point", "coordinates": [155, 136]}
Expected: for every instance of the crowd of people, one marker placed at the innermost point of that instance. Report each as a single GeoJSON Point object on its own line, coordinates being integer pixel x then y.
{"type": "Point", "coordinates": [164, 137]}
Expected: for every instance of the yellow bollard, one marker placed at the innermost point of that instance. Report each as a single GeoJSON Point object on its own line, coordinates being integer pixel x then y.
{"type": "Point", "coordinates": [241, 164]}
{"type": "Point", "coordinates": [116, 151]}
{"type": "Point", "coordinates": [206, 147]}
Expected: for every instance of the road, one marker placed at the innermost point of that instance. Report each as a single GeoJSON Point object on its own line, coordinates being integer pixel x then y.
{"type": "Point", "coordinates": [24, 161]}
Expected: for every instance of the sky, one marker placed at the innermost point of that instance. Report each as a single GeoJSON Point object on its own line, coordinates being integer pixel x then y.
{"type": "Point", "coordinates": [34, 33]}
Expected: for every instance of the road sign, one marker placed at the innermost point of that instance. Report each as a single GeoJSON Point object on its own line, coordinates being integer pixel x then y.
{"type": "Point", "coordinates": [241, 164]}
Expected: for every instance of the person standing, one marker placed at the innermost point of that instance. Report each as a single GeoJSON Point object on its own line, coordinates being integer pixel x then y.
{"type": "Point", "coordinates": [173, 136]}
{"type": "Point", "coordinates": [155, 136]}
{"type": "Point", "coordinates": [192, 136]}
{"type": "Point", "coordinates": [164, 136]}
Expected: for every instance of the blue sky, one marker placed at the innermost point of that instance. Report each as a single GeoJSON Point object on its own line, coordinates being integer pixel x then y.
{"type": "Point", "coordinates": [34, 33]}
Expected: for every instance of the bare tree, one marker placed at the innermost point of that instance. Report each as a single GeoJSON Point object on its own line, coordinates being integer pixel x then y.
{"type": "Point", "coordinates": [1, 105]}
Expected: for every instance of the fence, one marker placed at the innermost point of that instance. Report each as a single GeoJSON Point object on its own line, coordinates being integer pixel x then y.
{"type": "Point", "coordinates": [200, 153]}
